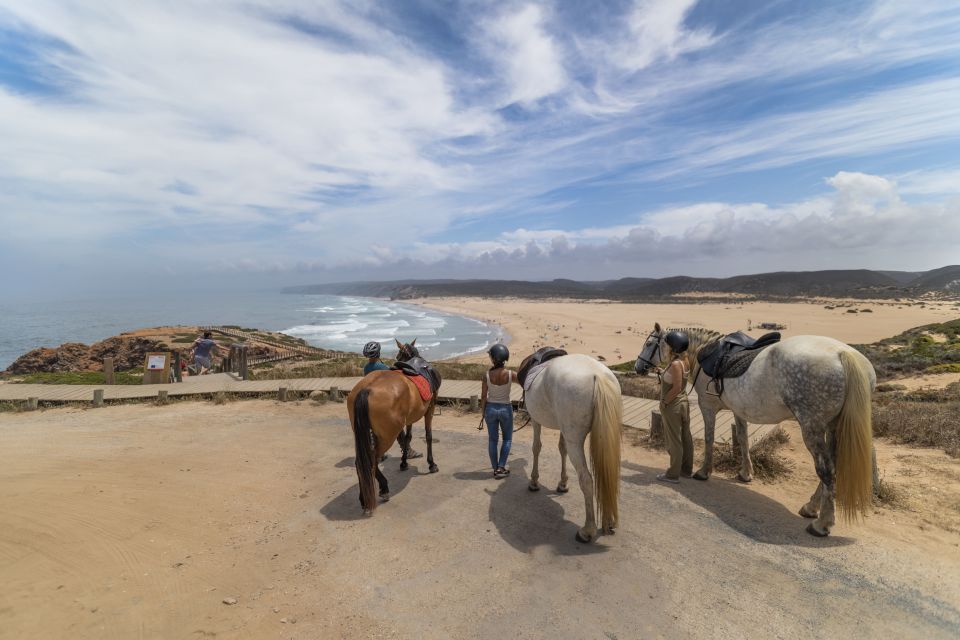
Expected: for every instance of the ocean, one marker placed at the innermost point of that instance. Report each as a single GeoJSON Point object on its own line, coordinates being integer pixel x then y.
{"type": "Point", "coordinates": [344, 323]}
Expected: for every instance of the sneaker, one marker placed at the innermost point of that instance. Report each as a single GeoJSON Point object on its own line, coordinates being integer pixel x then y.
{"type": "Point", "coordinates": [662, 477]}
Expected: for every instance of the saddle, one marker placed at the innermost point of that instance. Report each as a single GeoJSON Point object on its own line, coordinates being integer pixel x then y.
{"type": "Point", "coordinates": [538, 357]}
{"type": "Point", "coordinates": [731, 355]}
{"type": "Point", "coordinates": [419, 367]}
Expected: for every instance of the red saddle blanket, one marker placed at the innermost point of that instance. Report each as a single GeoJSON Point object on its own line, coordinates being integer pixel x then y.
{"type": "Point", "coordinates": [423, 385]}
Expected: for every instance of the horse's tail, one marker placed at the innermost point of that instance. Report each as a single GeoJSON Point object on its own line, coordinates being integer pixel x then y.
{"type": "Point", "coordinates": [854, 435]}
{"type": "Point", "coordinates": [605, 448]}
{"type": "Point", "coordinates": [364, 446]}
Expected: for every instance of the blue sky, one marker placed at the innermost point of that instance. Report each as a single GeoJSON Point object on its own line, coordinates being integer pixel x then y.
{"type": "Point", "coordinates": [192, 144]}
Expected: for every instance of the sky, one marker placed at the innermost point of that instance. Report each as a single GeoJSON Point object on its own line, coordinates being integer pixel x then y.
{"type": "Point", "coordinates": [238, 144]}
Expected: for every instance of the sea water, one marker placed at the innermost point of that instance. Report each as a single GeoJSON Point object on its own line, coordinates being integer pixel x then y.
{"type": "Point", "coordinates": [343, 323]}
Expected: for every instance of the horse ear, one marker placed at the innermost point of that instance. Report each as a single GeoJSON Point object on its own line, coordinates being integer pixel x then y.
{"type": "Point", "coordinates": [414, 343]}
{"type": "Point", "coordinates": [399, 344]}
{"type": "Point", "coordinates": [656, 327]}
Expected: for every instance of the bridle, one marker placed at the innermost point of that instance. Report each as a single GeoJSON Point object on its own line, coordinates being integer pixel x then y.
{"type": "Point", "coordinates": [659, 354]}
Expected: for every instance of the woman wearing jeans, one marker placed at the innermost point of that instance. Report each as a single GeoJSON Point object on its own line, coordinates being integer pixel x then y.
{"type": "Point", "coordinates": [496, 407]}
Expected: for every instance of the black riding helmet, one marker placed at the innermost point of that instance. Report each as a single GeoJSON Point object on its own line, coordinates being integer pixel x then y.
{"type": "Point", "coordinates": [499, 353]}
{"type": "Point", "coordinates": [677, 341]}
{"type": "Point", "coordinates": [371, 350]}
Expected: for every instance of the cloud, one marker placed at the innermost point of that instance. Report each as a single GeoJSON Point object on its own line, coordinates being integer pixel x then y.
{"type": "Point", "coordinates": [344, 135]}
{"type": "Point", "coordinates": [527, 54]}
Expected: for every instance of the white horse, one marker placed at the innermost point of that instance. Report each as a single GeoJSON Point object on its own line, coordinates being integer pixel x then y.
{"type": "Point", "coordinates": [579, 396]}
{"type": "Point", "coordinates": [823, 384]}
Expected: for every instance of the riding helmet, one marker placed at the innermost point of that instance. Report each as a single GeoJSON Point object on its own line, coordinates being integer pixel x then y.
{"type": "Point", "coordinates": [371, 350]}
{"type": "Point", "coordinates": [499, 353]}
{"type": "Point", "coordinates": [677, 340]}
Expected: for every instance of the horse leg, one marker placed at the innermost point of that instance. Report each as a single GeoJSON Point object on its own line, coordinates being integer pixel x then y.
{"type": "Point", "coordinates": [709, 422]}
{"type": "Point", "coordinates": [404, 441]}
{"type": "Point", "coordinates": [537, 445]}
{"type": "Point", "coordinates": [428, 427]}
{"type": "Point", "coordinates": [384, 485]}
{"type": "Point", "coordinates": [743, 440]}
{"type": "Point", "coordinates": [577, 456]}
{"type": "Point", "coordinates": [562, 445]}
{"type": "Point", "coordinates": [823, 448]}
{"type": "Point", "coordinates": [812, 508]}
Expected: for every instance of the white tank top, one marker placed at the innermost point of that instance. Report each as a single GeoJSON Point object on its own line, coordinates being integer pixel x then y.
{"type": "Point", "coordinates": [499, 393]}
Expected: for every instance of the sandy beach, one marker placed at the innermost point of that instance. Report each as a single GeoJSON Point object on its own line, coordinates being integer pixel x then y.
{"type": "Point", "coordinates": [616, 331]}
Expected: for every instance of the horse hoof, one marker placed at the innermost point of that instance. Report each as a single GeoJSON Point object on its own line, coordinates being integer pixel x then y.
{"type": "Point", "coordinates": [806, 514]}
{"type": "Point", "coordinates": [610, 531]}
{"type": "Point", "coordinates": [533, 487]}
{"type": "Point", "coordinates": [581, 538]}
{"type": "Point", "coordinates": [384, 497]}
{"type": "Point", "coordinates": [434, 468]}
{"type": "Point", "coordinates": [562, 489]}
{"type": "Point", "coordinates": [812, 530]}
{"type": "Point", "coordinates": [367, 512]}
{"type": "Point", "coordinates": [700, 476]}
{"type": "Point", "coordinates": [742, 479]}
{"type": "Point", "coordinates": [403, 466]}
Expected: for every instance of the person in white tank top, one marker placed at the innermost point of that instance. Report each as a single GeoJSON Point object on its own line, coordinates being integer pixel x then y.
{"type": "Point", "coordinates": [497, 409]}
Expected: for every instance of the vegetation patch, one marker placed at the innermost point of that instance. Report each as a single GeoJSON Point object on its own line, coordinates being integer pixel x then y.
{"type": "Point", "coordinates": [639, 386]}
{"type": "Point", "coordinates": [925, 418]}
{"type": "Point", "coordinates": [916, 351]}
{"type": "Point", "coordinates": [768, 463]}
{"type": "Point", "coordinates": [77, 377]}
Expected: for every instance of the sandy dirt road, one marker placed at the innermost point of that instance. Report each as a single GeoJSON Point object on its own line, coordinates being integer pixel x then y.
{"type": "Point", "coordinates": [138, 521]}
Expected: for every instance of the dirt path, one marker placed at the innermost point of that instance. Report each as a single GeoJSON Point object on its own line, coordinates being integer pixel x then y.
{"type": "Point", "coordinates": [138, 521]}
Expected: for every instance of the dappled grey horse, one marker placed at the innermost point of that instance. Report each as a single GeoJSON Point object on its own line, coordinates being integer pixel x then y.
{"type": "Point", "coordinates": [823, 384]}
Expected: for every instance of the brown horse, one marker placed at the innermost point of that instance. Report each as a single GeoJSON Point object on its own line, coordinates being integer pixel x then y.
{"type": "Point", "coordinates": [380, 406]}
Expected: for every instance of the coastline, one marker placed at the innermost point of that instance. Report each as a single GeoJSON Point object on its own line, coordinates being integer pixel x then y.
{"type": "Point", "coordinates": [616, 331]}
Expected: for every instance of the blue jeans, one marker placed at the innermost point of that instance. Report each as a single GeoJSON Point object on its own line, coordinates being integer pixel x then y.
{"type": "Point", "coordinates": [499, 417]}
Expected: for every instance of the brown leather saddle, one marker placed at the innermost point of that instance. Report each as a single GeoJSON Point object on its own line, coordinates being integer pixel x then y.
{"type": "Point", "coordinates": [417, 366]}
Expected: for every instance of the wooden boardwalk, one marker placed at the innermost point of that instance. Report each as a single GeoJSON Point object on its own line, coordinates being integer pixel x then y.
{"type": "Point", "coordinates": [636, 411]}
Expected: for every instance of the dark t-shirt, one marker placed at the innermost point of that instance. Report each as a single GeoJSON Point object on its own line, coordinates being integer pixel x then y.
{"type": "Point", "coordinates": [203, 347]}
{"type": "Point", "coordinates": [374, 366]}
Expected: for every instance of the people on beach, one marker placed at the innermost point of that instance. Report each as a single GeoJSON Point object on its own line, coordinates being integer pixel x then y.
{"type": "Point", "coordinates": [675, 409]}
{"type": "Point", "coordinates": [203, 351]}
{"type": "Point", "coordinates": [371, 350]}
{"type": "Point", "coordinates": [496, 408]}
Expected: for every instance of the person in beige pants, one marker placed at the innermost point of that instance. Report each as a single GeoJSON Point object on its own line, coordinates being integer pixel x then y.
{"type": "Point", "coordinates": [675, 409]}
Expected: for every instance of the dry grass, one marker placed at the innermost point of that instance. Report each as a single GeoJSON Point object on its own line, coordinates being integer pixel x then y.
{"type": "Point", "coordinates": [639, 387]}
{"type": "Point", "coordinates": [768, 464]}
{"type": "Point", "coordinates": [930, 418]}
{"type": "Point", "coordinates": [889, 495]}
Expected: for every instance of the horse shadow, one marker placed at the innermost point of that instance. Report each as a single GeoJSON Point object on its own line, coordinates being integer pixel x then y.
{"type": "Point", "coordinates": [526, 520]}
{"type": "Point", "coordinates": [751, 514]}
{"type": "Point", "coordinates": [346, 506]}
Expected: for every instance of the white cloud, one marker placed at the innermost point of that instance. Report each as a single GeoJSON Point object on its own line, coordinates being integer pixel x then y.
{"type": "Point", "coordinates": [657, 32]}
{"type": "Point", "coordinates": [528, 55]}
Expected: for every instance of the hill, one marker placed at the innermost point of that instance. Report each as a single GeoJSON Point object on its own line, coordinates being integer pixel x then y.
{"type": "Point", "coordinates": [855, 283]}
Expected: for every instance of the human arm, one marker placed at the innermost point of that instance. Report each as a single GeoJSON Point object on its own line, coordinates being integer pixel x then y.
{"type": "Point", "coordinates": [483, 394]}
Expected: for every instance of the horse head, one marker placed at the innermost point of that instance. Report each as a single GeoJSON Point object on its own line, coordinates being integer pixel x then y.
{"type": "Point", "coordinates": [407, 351]}
{"type": "Point", "coordinates": [655, 351]}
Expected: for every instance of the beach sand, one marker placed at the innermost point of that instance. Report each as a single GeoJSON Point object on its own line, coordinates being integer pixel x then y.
{"type": "Point", "coordinates": [616, 331]}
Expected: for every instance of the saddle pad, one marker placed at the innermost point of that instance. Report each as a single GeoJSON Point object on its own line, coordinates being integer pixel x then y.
{"type": "Point", "coordinates": [737, 364]}
{"type": "Point", "coordinates": [532, 375]}
{"type": "Point", "coordinates": [422, 384]}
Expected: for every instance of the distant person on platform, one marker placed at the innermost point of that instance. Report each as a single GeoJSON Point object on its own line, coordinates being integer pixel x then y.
{"type": "Point", "coordinates": [203, 351]}
{"type": "Point", "coordinates": [371, 351]}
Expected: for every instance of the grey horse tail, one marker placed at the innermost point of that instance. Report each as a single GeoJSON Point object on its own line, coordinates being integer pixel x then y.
{"type": "Point", "coordinates": [854, 438]}
{"type": "Point", "coordinates": [364, 445]}
{"type": "Point", "coordinates": [605, 449]}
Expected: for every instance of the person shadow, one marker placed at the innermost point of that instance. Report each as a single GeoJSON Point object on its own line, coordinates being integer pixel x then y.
{"type": "Point", "coordinates": [750, 513]}
{"type": "Point", "coordinates": [527, 520]}
{"type": "Point", "coordinates": [346, 506]}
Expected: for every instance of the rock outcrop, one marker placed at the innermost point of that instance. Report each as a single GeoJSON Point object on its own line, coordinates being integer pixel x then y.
{"type": "Point", "coordinates": [128, 352]}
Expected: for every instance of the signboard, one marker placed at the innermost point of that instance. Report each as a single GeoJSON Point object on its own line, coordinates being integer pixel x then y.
{"type": "Point", "coordinates": [156, 368]}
